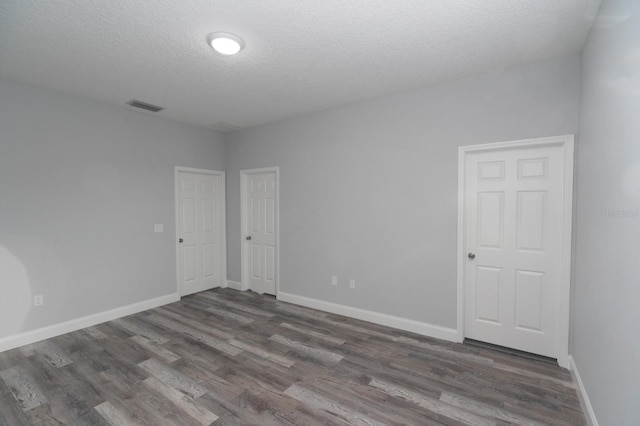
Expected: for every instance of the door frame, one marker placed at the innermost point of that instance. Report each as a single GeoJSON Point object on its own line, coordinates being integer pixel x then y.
{"type": "Point", "coordinates": [244, 225]}
{"type": "Point", "coordinates": [566, 142]}
{"type": "Point", "coordinates": [222, 224]}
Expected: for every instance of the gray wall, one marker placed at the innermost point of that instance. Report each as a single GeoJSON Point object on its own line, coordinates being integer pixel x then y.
{"type": "Point", "coordinates": [369, 191]}
{"type": "Point", "coordinates": [81, 185]}
{"type": "Point", "coordinates": [606, 327]}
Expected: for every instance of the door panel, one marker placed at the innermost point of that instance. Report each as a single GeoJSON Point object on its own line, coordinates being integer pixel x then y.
{"type": "Point", "coordinates": [256, 264]}
{"type": "Point", "coordinates": [200, 198]}
{"type": "Point", "coordinates": [513, 215]}
{"type": "Point", "coordinates": [488, 294]}
{"type": "Point", "coordinates": [208, 260]}
{"type": "Point", "coordinates": [270, 264]}
{"type": "Point", "coordinates": [531, 221]}
{"type": "Point", "coordinates": [189, 256]}
{"type": "Point", "coordinates": [261, 230]}
{"type": "Point", "coordinates": [270, 216]}
{"type": "Point", "coordinates": [529, 300]}
{"type": "Point", "coordinates": [208, 215]}
{"type": "Point", "coordinates": [490, 219]}
{"type": "Point", "coordinates": [256, 213]}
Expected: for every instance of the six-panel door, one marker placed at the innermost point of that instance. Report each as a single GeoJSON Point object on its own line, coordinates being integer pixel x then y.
{"type": "Point", "coordinates": [261, 232]}
{"type": "Point", "coordinates": [200, 199]}
{"type": "Point", "coordinates": [513, 233]}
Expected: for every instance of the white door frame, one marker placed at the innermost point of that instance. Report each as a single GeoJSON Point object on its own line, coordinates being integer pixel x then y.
{"type": "Point", "coordinates": [244, 224]}
{"type": "Point", "coordinates": [223, 221]}
{"type": "Point", "coordinates": [566, 142]}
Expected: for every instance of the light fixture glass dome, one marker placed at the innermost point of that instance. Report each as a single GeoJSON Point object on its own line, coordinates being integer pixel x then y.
{"type": "Point", "coordinates": [225, 43]}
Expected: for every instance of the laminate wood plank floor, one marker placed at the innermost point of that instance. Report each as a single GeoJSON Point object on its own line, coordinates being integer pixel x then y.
{"type": "Point", "coordinates": [224, 357]}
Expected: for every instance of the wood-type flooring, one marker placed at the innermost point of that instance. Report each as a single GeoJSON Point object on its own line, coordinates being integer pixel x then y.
{"type": "Point", "coordinates": [225, 357]}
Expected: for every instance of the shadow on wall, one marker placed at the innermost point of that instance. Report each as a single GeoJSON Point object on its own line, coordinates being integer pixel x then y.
{"type": "Point", "coordinates": [15, 293]}
{"type": "Point", "coordinates": [28, 267]}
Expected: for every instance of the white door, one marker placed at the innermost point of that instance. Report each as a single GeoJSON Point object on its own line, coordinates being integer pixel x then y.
{"type": "Point", "coordinates": [200, 228]}
{"type": "Point", "coordinates": [514, 213]}
{"type": "Point", "coordinates": [260, 227]}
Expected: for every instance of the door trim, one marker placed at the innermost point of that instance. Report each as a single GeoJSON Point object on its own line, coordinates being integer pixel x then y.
{"type": "Point", "coordinates": [564, 299]}
{"type": "Point", "coordinates": [223, 221]}
{"type": "Point", "coordinates": [244, 225]}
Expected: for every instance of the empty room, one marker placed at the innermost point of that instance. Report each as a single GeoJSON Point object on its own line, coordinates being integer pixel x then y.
{"type": "Point", "coordinates": [302, 212]}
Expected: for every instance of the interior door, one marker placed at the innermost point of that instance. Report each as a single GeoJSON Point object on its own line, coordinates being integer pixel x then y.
{"type": "Point", "coordinates": [513, 232]}
{"type": "Point", "coordinates": [260, 231]}
{"type": "Point", "coordinates": [200, 230]}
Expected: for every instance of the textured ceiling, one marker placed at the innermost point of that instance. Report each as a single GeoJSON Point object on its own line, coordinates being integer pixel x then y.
{"type": "Point", "coordinates": [300, 56]}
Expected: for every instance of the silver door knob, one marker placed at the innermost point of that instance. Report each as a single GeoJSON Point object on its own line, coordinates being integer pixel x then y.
{"type": "Point", "coordinates": [248, 238]}
{"type": "Point", "coordinates": [471, 256]}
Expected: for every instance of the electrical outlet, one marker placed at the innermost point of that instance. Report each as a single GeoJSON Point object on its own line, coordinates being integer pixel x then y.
{"type": "Point", "coordinates": [158, 227]}
{"type": "Point", "coordinates": [38, 300]}
{"type": "Point", "coordinates": [334, 280]}
{"type": "Point", "coordinates": [352, 283]}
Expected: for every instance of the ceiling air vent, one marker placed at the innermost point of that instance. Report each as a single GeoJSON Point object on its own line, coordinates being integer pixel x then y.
{"type": "Point", "coordinates": [143, 105]}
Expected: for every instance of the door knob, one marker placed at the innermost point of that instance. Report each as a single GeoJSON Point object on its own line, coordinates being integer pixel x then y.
{"type": "Point", "coordinates": [471, 256]}
{"type": "Point", "coordinates": [180, 240]}
{"type": "Point", "coordinates": [248, 238]}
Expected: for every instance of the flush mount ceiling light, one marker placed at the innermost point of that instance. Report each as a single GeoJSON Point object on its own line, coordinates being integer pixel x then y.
{"type": "Point", "coordinates": [225, 43]}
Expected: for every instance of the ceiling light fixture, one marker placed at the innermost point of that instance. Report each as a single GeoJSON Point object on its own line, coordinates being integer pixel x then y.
{"type": "Point", "coordinates": [225, 43]}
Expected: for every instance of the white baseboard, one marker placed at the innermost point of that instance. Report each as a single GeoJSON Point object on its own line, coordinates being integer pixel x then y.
{"type": "Point", "coordinates": [582, 394]}
{"type": "Point", "coordinates": [235, 285]}
{"type": "Point", "coordinates": [17, 340]}
{"type": "Point", "coordinates": [405, 324]}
